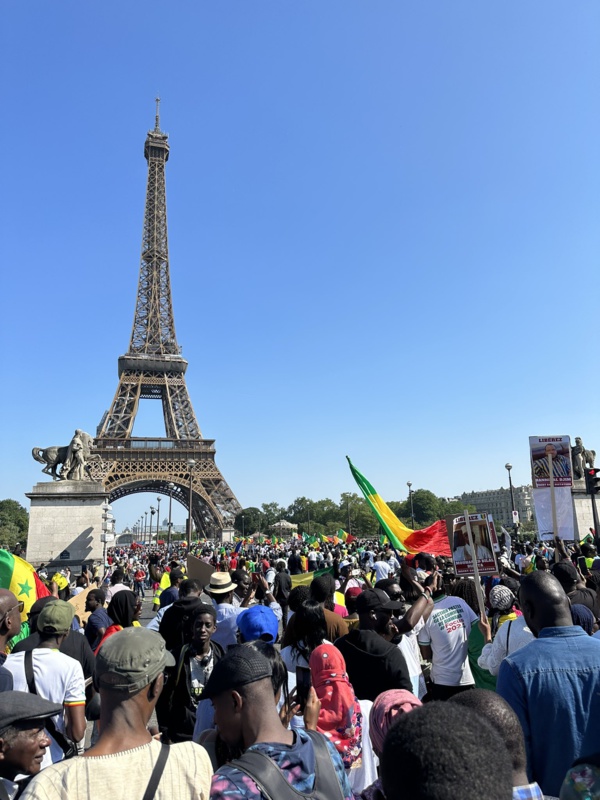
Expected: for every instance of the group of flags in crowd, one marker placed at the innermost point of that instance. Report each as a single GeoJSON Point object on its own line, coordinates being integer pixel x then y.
{"type": "Point", "coordinates": [20, 577]}
{"type": "Point", "coordinates": [432, 539]}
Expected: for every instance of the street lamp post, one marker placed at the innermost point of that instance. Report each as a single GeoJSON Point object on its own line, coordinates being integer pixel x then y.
{"type": "Point", "coordinates": [191, 465]}
{"type": "Point", "coordinates": [106, 524]}
{"type": "Point", "coordinates": [170, 487]}
{"type": "Point", "coordinates": [243, 527]}
{"type": "Point", "coordinates": [152, 513]}
{"type": "Point", "coordinates": [508, 468]}
{"type": "Point", "coordinates": [412, 510]}
{"type": "Point", "coordinates": [146, 526]}
{"type": "Point", "coordinates": [158, 499]}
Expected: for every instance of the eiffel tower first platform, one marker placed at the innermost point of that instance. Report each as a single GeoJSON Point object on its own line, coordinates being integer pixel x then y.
{"type": "Point", "coordinates": [154, 369]}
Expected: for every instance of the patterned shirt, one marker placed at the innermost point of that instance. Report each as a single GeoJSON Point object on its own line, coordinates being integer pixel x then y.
{"type": "Point", "coordinates": [530, 791]}
{"type": "Point", "coordinates": [296, 761]}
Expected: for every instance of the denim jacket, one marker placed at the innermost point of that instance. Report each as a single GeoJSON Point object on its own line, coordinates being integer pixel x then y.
{"type": "Point", "coordinates": [553, 685]}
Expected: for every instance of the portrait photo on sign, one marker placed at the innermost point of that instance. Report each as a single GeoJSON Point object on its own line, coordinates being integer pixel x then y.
{"type": "Point", "coordinates": [559, 447]}
{"type": "Point", "coordinates": [483, 547]}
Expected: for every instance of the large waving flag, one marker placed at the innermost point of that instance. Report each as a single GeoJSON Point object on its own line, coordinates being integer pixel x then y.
{"type": "Point", "coordinates": [429, 540]}
{"type": "Point", "coordinates": [20, 577]}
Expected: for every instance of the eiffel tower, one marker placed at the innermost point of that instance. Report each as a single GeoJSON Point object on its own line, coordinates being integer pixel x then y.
{"type": "Point", "coordinates": [154, 369]}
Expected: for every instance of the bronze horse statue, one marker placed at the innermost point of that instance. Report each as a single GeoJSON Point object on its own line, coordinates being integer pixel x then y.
{"type": "Point", "coordinates": [53, 457]}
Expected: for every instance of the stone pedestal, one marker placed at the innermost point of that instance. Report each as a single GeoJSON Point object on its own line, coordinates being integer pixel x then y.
{"type": "Point", "coordinates": [65, 523]}
{"type": "Point", "coordinates": [582, 505]}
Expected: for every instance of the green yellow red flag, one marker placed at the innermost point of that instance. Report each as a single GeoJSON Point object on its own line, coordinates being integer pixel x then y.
{"type": "Point", "coordinates": [21, 579]}
{"type": "Point", "coordinates": [432, 539]}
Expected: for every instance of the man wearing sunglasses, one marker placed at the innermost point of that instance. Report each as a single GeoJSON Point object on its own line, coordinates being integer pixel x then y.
{"type": "Point", "coordinates": [10, 624]}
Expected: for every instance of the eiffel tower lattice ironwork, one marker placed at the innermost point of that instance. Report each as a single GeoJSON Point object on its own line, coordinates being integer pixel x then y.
{"type": "Point", "coordinates": [183, 463]}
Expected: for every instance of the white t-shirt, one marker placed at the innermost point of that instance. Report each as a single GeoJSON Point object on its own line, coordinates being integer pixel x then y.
{"type": "Point", "coordinates": [447, 631]}
{"type": "Point", "coordinates": [58, 678]}
{"type": "Point", "coordinates": [382, 570]}
{"type": "Point", "coordinates": [409, 647]}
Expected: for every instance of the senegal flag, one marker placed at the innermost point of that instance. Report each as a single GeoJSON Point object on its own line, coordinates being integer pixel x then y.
{"type": "Point", "coordinates": [22, 580]}
{"type": "Point", "coordinates": [429, 540]}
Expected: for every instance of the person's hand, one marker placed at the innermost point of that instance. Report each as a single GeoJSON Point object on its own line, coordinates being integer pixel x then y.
{"type": "Point", "coordinates": [263, 582]}
{"type": "Point", "coordinates": [289, 709]}
{"type": "Point", "coordinates": [485, 628]}
{"type": "Point", "coordinates": [311, 710]}
{"type": "Point", "coordinates": [54, 588]}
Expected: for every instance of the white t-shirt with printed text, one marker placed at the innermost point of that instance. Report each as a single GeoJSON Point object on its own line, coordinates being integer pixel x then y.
{"type": "Point", "coordinates": [446, 632]}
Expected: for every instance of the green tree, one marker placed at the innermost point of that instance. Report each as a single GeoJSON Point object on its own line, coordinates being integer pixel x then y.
{"type": "Point", "coordinates": [426, 507]}
{"type": "Point", "coordinates": [272, 513]}
{"type": "Point", "coordinates": [252, 522]}
{"type": "Point", "coordinates": [300, 511]}
{"type": "Point", "coordinates": [14, 524]}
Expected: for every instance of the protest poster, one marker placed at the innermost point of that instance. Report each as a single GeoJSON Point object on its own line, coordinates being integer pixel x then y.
{"type": "Point", "coordinates": [484, 542]}
{"type": "Point", "coordinates": [199, 570]}
{"type": "Point", "coordinates": [559, 447]}
{"type": "Point", "coordinates": [78, 603]}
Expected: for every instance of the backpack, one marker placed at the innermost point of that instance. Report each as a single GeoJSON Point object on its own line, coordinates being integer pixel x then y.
{"type": "Point", "coordinates": [274, 786]}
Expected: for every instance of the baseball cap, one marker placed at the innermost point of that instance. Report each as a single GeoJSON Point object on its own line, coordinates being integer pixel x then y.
{"type": "Point", "coordinates": [177, 573]}
{"type": "Point", "coordinates": [56, 617]}
{"type": "Point", "coordinates": [25, 707]}
{"type": "Point", "coordinates": [131, 659]}
{"type": "Point", "coordinates": [239, 666]}
{"type": "Point", "coordinates": [376, 600]}
{"type": "Point", "coordinates": [258, 622]}
{"type": "Point", "coordinates": [565, 572]}
{"type": "Point", "coordinates": [344, 564]}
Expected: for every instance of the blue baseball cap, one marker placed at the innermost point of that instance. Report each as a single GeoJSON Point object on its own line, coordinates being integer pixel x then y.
{"type": "Point", "coordinates": [258, 622]}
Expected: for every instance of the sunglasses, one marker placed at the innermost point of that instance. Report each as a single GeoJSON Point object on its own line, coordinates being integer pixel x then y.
{"type": "Point", "coordinates": [20, 605]}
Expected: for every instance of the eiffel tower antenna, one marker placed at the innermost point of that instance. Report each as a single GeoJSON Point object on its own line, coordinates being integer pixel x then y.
{"type": "Point", "coordinates": [154, 369]}
{"type": "Point", "coordinates": [157, 118]}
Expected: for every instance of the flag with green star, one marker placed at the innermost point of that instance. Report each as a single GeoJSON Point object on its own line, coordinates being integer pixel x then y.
{"type": "Point", "coordinates": [20, 577]}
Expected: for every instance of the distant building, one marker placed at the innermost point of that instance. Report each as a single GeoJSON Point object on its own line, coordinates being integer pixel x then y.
{"type": "Point", "coordinates": [497, 503]}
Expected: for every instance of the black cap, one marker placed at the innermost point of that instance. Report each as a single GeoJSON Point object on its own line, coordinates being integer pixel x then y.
{"type": "Point", "coordinates": [376, 600]}
{"type": "Point", "coordinates": [239, 666]}
{"type": "Point", "coordinates": [23, 707]}
{"type": "Point", "coordinates": [565, 572]}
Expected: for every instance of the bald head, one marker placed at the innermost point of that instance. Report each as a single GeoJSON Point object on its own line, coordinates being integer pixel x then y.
{"type": "Point", "coordinates": [544, 602]}
{"type": "Point", "coordinates": [10, 619]}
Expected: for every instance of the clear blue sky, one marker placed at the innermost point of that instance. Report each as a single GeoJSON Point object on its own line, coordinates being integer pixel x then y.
{"type": "Point", "coordinates": [383, 222]}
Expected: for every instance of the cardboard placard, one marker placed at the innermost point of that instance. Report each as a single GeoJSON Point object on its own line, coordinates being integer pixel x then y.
{"type": "Point", "coordinates": [559, 447]}
{"type": "Point", "coordinates": [484, 540]}
{"type": "Point", "coordinates": [199, 570]}
{"type": "Point", "coordinates": [79, 603]}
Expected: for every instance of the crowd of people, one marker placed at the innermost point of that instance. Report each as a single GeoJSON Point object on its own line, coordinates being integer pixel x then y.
{"type": "Point", "coordinates": [347, 671]}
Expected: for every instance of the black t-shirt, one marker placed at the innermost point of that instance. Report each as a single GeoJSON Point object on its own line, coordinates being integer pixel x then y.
{"type": "Point", "coordinates": [585, 597]}
{"type": "Point", "coordinates": [294, 564]}
{"type": "Point", "coordinates": [75, 645]}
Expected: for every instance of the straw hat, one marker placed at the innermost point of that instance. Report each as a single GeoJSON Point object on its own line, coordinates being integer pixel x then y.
{"type": "Point", "coordinates": [220, 583]}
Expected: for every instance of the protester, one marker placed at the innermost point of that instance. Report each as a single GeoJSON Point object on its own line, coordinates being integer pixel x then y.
{"type": "Point", "coordinates": [116, 584]}
{"type": "Point", "coordinates": [10, 624]}
{"type": "Point", "coordinates": [444, 641]}
{"type": "Point", "coordinates": [23, 738]}
{"type": "Point", "coordinates": [553, 683]}
{"type": "Point", "coordinates": [282, 586]}
{"type": "Point", "coordinates": [98, 621]}
{"type": "Point", "coordinates": [387, 706]}
{"type": "Point", "coordinates": [491, 707]}
{"type": "Point", "coordinates": [121, 610]}
{"type": "Point", "coordinates": [444, 752]}
{"type": "Point", "coordinates": [374, 664]}
{"type": "Point", "coordinates": [170, 595]}
{"type": "Point", "coordinates": [340, 718]}
{"type": "Point", "coordinates": [194, 662]}
{"type": "Point", "coordinates": [258, 622]}
{"type": "Point", "coordinates": [246, 716]}
{"type": "Point", "coordinates": [127, 760]}
{"type": "Point", "coordinates": [173, 621]}
{"type": "Point", "coordinates": [54, 676]}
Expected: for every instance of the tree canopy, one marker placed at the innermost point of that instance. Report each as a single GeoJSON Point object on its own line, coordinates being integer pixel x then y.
{"type": "Point", "coordinates": [352, 513]}
{"type": "Point", "coordinates": [14, 524]}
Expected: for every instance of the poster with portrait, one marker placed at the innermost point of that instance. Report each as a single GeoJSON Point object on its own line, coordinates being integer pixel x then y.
{"type": "Point", "coordinates": [485, 544]}
{"type": "Point", "coordinates": [559, 447]}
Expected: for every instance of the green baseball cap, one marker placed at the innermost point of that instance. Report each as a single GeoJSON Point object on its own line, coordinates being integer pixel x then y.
{"type": "Point", "coordinates": [131, 659]}
{"type": "Point", "coordinates": [56, 617]}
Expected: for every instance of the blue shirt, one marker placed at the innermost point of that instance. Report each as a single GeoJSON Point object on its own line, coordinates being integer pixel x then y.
{"type": "Point", "coordinates": [98, 619]}
{"type": "Point", "coordinates": [553, 685]}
